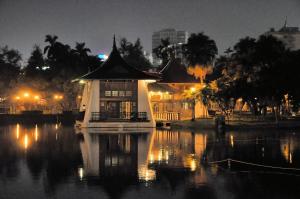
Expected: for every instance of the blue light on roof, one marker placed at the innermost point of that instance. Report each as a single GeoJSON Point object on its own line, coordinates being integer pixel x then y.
{"type": "Point", "coordinates": [102, 56]}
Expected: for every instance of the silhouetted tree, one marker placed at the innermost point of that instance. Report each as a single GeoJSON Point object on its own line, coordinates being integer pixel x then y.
{"type": "Point", "coordinates": [36, 63]}
{"type": "Point", "coordinates": [10, 65]}
{"type": "Point", "coordinates": [165, 51]}
{"type": "Point", "coordinates": [200, 50]}
{"type": "Point", "coordinates": [133, 54]}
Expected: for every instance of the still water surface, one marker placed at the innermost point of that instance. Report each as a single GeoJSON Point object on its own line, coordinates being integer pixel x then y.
{"type": "Point", "coordinates": [53, 161]}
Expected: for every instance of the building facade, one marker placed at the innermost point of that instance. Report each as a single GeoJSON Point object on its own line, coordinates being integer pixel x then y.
{"type": "Point", "coordinates": [116, 95]}
{"type": "Point", "coordinates": [176, 38]}
{"type": "Point", "coordinates": [290, 36]}
{"type": "Point", "coordinates": [172, 97]}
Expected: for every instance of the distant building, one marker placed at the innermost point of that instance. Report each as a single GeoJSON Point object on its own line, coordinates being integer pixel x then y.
{"type": "Point", "coordinates": [176, 38]}
{"type": "Point", "coordinates": [290, 36]}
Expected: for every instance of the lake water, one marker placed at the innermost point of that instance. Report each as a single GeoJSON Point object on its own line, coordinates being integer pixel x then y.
{"type": "Point", "coordinates": [54, 161]}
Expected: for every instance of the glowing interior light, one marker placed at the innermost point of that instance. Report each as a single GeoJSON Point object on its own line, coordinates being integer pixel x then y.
{"type": "Point", "coordinates": [36, 133]}
{"type": "Point", "coordinates": [26, 94]}
{"type": "Point", "coordinates": [18, 131]}
{"type": "Point", "coordinates": [80, 173]}
{"type": "Point", "coordinates": [81, 82]}
{"type": "Point", "coordinates": [26, 141]}
{"type": "Point", "coordinates": [193, 165]}
{"type": "Point", "coordinates": [193, 89]}
{"type": "Point", "coordinates": [231, 140]}
{"type": "Point", "coordinates": [151, 158]}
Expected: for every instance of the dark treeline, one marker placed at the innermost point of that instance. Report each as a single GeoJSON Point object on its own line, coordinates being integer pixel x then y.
{"type": "Point", "coordinates": [47, 71]}
{"type": "Point", "coordinates": [261, 72]}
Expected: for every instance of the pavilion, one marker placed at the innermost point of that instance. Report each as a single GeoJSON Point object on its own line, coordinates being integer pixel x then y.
{"type": "Point", "coordinates": [116, 95]}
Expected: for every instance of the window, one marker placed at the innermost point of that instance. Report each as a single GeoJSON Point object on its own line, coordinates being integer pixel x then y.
{"type": "Point", "coordinates": [107, 93]}
{"type": "Point", "coordinates": [115, 93]}
{"type": "Point", "coordinates": [128, 93]}
{"type": "Point", "coordinates": [122, 93]}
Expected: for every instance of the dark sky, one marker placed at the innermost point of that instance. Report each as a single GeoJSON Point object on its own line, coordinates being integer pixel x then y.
{"type": "Point", "coordinates": [24, 23]}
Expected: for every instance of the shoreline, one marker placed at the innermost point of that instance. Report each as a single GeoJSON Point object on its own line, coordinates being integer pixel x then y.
{"type": "Point", "coordinates": [209, 124]}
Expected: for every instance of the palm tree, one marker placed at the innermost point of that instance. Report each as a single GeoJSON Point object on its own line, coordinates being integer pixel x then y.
{"type": "Point", "coordinates": [81, 55]}
{"type": "Point", "coordinates": [51, 39]}
{"type": "Point", "coordinates": [200, 50]}
{"type": "Point", "coordinates": [81, 50]}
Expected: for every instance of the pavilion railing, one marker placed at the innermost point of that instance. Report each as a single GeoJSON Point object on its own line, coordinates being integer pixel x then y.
{"type": "Point", "coordinates": [166, 116]}
{"type": "Point", "coordinates": [120, 116]}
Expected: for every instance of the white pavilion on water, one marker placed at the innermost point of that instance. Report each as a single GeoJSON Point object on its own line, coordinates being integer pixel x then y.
{"type": "Point", "coordinates": [116, 95]}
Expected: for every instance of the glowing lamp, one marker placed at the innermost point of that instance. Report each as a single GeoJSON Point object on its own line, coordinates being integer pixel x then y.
{"type": "Point", "coordinates": [26, 94]}
{"type": "Point", "coordinates": [193, 89]}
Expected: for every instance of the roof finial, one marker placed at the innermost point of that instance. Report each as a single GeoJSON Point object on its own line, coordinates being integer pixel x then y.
{"type": "Point", "coordinates": [114, 44]}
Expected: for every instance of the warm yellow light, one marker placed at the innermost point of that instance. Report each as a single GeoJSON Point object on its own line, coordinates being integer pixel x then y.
{"type": "Point", "coordinates": [151, 158]}
{"type": "Point", "coordinates": [36, 97]}
{"type": "Point", "coordinates": [81, 82]}
{"type": "Point", "coordinates": [18, 131]}
{"type": "Point", "coordinates": [17, 98]}
{"type": "Point", "coordinates": [36, 133]}
{"type": "Point", "coordinates": [193, 165]}
{"type": "Point", "coordinates": [150, 81]}
{"type": "Point", "coordinates": [290, 158]}
{"type": "Point", "coordinates": [26, 94]}
{"type": "Point", "coordinates": [58, 97]}
{"type": "Point", "coordinates": [79, 97]}
{"type": "Point", "coordinates": [56, 126]}
{"type": "Point", "coordinates": [146, 174]}
{"type": "Point", "coordinates": [231, 140]}
{"type": "Point", "coordinates": [26, 141]}
{"type": "Point", "coordinates": [193, 89]}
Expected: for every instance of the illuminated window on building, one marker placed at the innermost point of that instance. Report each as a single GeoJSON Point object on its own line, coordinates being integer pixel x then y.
{"type": "Point", "coordinates": [128, 93]}
{"type": "Point", "coordinates": [122, 93]}
{"type": "Point", "coordinates": [115, 93]}
{"type": "Point", "coordinates": [107, 93]}
{"type": "Point", "coordinates": [185, 105]}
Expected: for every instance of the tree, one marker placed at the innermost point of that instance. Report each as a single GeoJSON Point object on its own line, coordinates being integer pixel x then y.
{"type": "Point", "coordinates": [261, 72]}
{"type": "Point", "coordinates": [133, 54]}
{"type": "Point", "coordinates": [36, 63]}
{"type": "Point", "coordinates": [200, 50]}
{"type": "Point", "coordinates": [165, 51]}
{"type": "Point", "coordinates": [10, 66]}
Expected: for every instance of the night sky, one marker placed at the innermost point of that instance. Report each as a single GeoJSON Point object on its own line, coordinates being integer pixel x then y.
{"type": "Point", "coordinates": [24, 23]}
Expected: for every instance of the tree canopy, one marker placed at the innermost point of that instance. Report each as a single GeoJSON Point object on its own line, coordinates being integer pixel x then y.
{"type": "Point", "coordinates": [133, 54]}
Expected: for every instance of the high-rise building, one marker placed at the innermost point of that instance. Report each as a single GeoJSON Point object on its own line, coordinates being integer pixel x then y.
{"type": "Point", "coordinates": [290, 36]}
{"type": "Point", "coordinates": [176, 39]}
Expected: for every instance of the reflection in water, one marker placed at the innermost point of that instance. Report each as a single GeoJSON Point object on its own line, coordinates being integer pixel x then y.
{"type": "Point", "coordinates": [58, 163]}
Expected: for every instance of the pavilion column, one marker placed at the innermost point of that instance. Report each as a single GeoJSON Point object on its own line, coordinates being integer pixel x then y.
{"type": "Point", "coordinates": [144, 104]}
{"type": "Point", "coordinates": [92, 101]}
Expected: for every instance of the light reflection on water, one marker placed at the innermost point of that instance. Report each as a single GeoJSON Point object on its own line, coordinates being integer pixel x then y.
{"type": "Point", "coordinates": [43, 161]}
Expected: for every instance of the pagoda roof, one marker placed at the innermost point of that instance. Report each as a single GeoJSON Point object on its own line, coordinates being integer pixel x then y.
{"type": "Point", "coordinates": [115, 67]}
{"type": "Point", "coordinates": [175, 72]}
